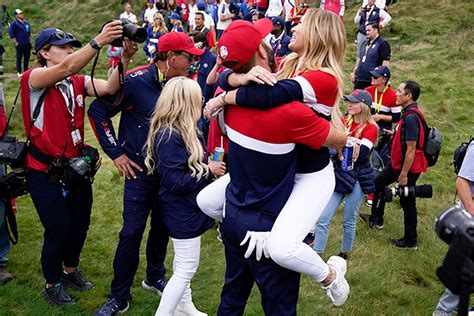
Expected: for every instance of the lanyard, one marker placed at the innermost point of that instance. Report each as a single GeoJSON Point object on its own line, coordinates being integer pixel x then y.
{"type": "Point", "coordinates": [378, 104]}
{"type": "Point", "coordinates": [367, 14]}
{"type": "Point", "coordinates": [65, 89]}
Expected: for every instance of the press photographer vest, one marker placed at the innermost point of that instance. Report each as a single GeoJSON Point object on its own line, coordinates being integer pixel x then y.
{"type": "Point", "coordinates": [419, 163]}
{"type": "Point", "coordinates": [56, 121]}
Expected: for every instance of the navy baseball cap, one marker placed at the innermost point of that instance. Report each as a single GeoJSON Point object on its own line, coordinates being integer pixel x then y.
{"type": "Point", "coordinates": [276, 20]}
{"type": "Point", "coordinates": [56, 37]}
{"type": "Point", "coordinates": [201, 5]}
{"type": "Point", "coordinates": [175, 16]}
{"type": "Point", "coordinates": [359, 96]}
{"type": "Point", "coordinates": [381, 71]}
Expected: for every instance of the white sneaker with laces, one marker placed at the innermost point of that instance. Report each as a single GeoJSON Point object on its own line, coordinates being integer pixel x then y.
{"type": "Point", "coordinates": [339, 289]}
{"type": "Point", "coordinates": [187, 309]}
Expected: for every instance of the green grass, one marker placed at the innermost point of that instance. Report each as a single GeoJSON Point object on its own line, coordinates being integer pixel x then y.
{"type": "Point", "coordinates": [431, 41]}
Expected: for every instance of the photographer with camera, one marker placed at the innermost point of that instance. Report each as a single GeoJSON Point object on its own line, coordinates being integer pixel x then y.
{"type": "Point", "coordinates": [449, 301]}
{"type": "Point", "coordinates": [60, 165]}
{"type": "Point", "coordinates": [407, 163]}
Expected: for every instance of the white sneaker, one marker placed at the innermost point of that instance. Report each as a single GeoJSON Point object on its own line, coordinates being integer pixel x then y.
{"type": "Point", "coordinates": [187, 309]}
{"type": "Point", "coordinates": [338, 290]}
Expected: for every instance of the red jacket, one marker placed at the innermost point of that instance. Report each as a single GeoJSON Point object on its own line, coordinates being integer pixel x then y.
{"type": "Point", "coordinates": [52, 131]}
{"type": "Point", "coordinates": [419, 163]}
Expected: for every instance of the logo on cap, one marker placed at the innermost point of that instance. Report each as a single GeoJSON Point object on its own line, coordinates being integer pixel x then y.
{"type": "Point", "coordinates": [223, 52]}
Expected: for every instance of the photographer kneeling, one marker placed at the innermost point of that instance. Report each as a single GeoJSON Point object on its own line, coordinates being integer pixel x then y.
{"type": "Point", "coordinates": [53, 114]}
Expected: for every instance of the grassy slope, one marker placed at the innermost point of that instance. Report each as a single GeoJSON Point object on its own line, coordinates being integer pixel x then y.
{"type": "Point", "coordinates": [432, 42]}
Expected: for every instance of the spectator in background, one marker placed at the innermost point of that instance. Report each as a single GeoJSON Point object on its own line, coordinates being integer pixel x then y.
{"type": "Point", "coordinates": [127, 13]}
{"type": "Point", "coordinates": [208, 22]}
{"type": "Point", "coordinates": [192, 6]}
{"type": "Point", "coordinates": [115, 54]}
{"type": "Point", "coordinates": [385, 111]}
{"type": "Point", "coordinates": [275, 8]}
{"type": "Point", "coordinates": [5, 276]}
{"type": "Point", "coordinates": [213, 10]}
{"type": "Point", "coordinates": [369, 14]}
{"type": "Point", "coordinates": [183, 11]}
{"type": "Point", "coordinates": [350, 184]}
{"type": "Point", "coordinates": [225, 17]}
{"type": "Point", "coordinates": [256, 15]}
{"type": "Point", "coordinates": [381, 4]}
{"type": "Point", "coordinates": [277, 38]}
{"type": "Point", "coordinates": [149, 14]}
{"type": "Point", "coordinates": [336, 6]}
{"type": "Point", "coordinates": [201, 27]}
{"type": "Point", "coordinates": [20, 34]}
{"type": "Point", "coordinates": [289, 4]}
{"type": "Point", "coordinates": [175, 20]}
{"type": "Point", "coordinates": [154, 32]}
{"type": "Point", "coordinates": [245, 8]}
{"type": "Point", "coordinates": [297, 12]}
{"type": "Point", "coordinates": [374, 52]}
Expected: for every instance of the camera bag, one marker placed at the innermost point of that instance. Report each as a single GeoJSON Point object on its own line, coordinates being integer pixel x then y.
{"type": "Point", "coordinates": [459, 154]}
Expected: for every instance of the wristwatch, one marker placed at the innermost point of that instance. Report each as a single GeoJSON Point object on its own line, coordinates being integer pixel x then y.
{"type": "Point", "coordinates": [94, 44]}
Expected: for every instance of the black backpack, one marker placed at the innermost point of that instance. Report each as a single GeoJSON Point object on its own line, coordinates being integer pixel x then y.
{"type": "Point", "coordinates": [433, 139]}
{"type": "Point", "coordinates": [459, 154]}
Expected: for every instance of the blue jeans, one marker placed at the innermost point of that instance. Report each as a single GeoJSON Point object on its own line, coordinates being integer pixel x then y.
{"type": "Point", "coordinates": [349, 219]}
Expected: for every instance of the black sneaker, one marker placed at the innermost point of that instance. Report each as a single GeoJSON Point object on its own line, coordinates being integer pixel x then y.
{"type": "Point", "coordinates": [368, 219]}
{"type": "Point", "coordinates": [401, 244]}
{"type": "Point", "coordinates": [343, 255]}
{"type": "Point", "coordinates": [112, 307]}
{"type": "Point", "coordinates": [76, 280]}
{"type": "Point", "coordinates": [57, 295]}
{"type": "Point", "coordinates": [157, 286]}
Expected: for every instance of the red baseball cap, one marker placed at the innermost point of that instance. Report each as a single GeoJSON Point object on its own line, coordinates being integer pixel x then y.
{"type": "Point", "coordinates": [177, 41]}
{"type": "Point", "coordinates": [241, 39]}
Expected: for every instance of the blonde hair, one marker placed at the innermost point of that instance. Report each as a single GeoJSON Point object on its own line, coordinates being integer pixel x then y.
{"type": "Point", "coordinates": [324, 36]}
{"type": "Point", "coordinates": [178, 109]}
{"type": "Point", "coordinates": [159, 28]}
{"type": "Point", "coordinates": [365, 118]}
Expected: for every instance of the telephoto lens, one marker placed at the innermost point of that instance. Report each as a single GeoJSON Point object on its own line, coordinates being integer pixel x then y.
{"type": "Point", "coordinates": [419, 191]}
{"type": "Point", "coordinates": [132, 32]}
{"type": "Point", "coordinates": [454, 220]}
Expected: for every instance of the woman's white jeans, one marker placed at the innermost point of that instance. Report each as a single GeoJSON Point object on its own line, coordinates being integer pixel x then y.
{"type": "Point", "coordinates": [307, 201]}
{"type": "Point", "coordinates": [185, 264]}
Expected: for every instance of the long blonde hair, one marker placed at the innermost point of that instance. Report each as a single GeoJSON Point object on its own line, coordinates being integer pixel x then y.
{"type": "Point", "coordinates": [365, 118]}
{"type": "Point", "coordinates": [178, 110]}
{"type": "Point", "coordinates": [325, 45]}
{"type": "Point", "coordinates": [161, 27]}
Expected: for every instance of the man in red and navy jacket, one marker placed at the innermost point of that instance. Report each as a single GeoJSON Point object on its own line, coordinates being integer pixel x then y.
{"type": "Point", "coordinates": [407, 163]}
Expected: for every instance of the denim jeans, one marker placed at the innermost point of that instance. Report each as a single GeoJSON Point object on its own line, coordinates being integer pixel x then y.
{"type": "Point", "coordinates": [349, 219]}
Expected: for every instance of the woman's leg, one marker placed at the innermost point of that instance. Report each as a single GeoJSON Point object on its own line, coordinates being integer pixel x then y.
{"type": "Point", "coordinates": [185, 264]}
{"type": "Point", "coordinates": [307, 201]}
{"type": "Point", "coordinates": [349, 217]}
{"type": "Point", "coordinates": [211, 199]}
{"type": "Point", "coordinates": [322, 225]}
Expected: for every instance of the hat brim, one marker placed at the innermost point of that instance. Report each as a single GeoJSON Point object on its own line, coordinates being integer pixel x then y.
{"type": "Point", "coordinates": [264, 26]}
{"type": "Point", "coordinates": [351, 98]}
{"type": "Point", "coordinates": [65, 41]}
{"type": "Point", "coordinates": [194, 51]}
{"type": "Point", "coordinates": [375, 73]}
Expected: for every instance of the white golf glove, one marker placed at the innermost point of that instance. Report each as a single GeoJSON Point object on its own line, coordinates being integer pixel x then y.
{"type": "Point", "coordinates": [256, 240]}
{"type": "Point", "coordinates": [151, 49]}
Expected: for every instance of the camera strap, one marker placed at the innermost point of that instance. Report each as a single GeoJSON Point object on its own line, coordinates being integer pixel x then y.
{"type": "Point", "coordinates": [10, 223]}
{"type": "Point", "coordinates": [121, 92]}
{"type": "Point", "coordinates": [36, 113]}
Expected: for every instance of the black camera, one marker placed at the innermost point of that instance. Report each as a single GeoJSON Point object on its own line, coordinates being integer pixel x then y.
{"type": "Point", "coordinates": [131, 31]}
{"type": "Point", "coordinates": [455, 226]}
{"type": "Point", "coordinates": [455, 220]}
{"type": "Point", "coordinates": [12, 151]}
{"type": "Point", "coordinates": [419, 191]}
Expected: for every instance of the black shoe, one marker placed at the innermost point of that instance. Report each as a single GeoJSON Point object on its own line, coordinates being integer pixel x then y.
{"type": "Point", "coordinates": [401, 244]}
{"type": "Point", "coordinates": [112, 307]}
{"type": "Point", "coordinates": [368, 219]}
{"type": "Point", "coordinates": [57, 295]}
{"type": "Point", "coordinates": [343, 255]}
{"type": "Point", "coordinates": [76, 280]}
{"type": "Point", "coordinates": [156, 286]}
{"type": "Point", "coordinates": [309, 239]}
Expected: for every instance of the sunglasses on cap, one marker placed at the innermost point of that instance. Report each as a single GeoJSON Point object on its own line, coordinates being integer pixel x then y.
{"type": "Point", "coordinates": [60, 35]}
